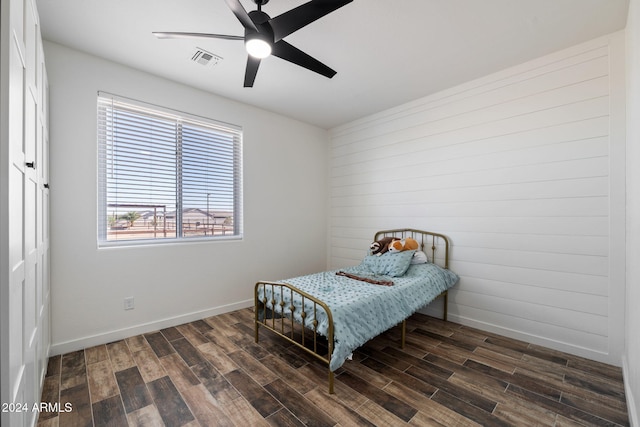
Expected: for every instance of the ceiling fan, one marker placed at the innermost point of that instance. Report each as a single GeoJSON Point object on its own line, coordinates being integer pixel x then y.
{"type": "Point", "coordinates": [263, 35]}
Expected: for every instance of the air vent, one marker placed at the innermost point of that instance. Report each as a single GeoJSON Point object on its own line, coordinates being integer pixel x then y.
{"type": "Point", "coordinates": [205, 58]}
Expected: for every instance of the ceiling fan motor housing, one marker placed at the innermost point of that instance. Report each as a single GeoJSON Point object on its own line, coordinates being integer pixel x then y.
{"type": "Point", "coordinates": [260, 19]}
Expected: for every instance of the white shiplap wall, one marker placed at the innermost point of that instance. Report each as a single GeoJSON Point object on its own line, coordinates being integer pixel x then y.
{"type": "Point", "coordinates": [523, 170]}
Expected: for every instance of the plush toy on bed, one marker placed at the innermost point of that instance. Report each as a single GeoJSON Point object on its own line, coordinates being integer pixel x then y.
{"type": "Point", "coordinates": [381, 246]}
{"type": "Point", "coordinates": [407, 244]}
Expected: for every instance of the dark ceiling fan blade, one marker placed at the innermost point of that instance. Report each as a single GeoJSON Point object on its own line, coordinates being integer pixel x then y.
{"type": "Point", "coordinates": [290, 53]}
{"type": "Point", "coordinates": [242, 15]}
{"type": "Point", "coordinates": [181, 35]}
{"type": "Point", "coordinates": [303, 15]}
{"type": "Point", "coordinates": [251, 71]}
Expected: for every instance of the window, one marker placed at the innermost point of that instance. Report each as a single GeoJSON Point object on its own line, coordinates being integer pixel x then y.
{"type": "Point", "coordinates": [165, 176]}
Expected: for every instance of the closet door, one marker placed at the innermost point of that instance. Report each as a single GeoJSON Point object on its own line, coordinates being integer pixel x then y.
{"type": "Point", "coordinates": [32, 146]}
{"type": "Point", "coordinates": [24, 280]}
{"type": "Point", "coordinates": [43, 296]}
{"type": "Point", "coordinates": [13, 308]}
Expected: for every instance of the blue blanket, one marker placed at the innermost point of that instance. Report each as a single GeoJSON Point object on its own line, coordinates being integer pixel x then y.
{"type": "Point", "coordinates": [361, 310]}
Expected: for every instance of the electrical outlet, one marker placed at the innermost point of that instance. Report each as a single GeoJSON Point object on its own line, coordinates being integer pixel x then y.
{"type": "Point", "coordinates": [128, 303]}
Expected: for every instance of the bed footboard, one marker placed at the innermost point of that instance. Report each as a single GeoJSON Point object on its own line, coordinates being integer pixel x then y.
{"type": "Point", "coordinates": [273, 313]}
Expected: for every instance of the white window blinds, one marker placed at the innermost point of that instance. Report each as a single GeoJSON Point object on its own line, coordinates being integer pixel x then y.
{"type": "Point", "coordinates": [165, 175]}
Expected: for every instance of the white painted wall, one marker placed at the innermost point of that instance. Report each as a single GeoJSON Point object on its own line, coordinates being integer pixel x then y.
{"type": "Point", "coordinates": [524, 170]}
{"type": "Point", "coordinates": [631, 359]}
{"type": "Point", "coordinates": [285, 167]}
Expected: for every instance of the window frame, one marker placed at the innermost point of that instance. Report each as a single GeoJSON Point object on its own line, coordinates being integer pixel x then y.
{"type": "Point", "coordinates": [218, 129]}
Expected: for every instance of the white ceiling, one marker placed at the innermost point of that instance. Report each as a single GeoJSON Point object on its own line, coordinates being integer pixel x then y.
{"type": "Point", "coordinates": [385, 52]}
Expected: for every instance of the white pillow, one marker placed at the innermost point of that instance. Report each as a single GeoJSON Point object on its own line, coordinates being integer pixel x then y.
{"type": "Point", "coordinates": [419, 257]}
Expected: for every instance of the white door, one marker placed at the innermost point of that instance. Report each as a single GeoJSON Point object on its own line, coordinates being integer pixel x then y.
{"type": "Point", "coordinates": [24, 306]}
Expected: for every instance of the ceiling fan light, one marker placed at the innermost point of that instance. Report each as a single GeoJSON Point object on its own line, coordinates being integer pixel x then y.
{"type": "Point", "coordinates": [257, 46]}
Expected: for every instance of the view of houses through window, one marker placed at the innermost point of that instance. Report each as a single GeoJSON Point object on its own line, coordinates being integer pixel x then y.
{"type": "Point", "coordinates": [163, 175]}
{"type": "Point", "coordinates": [152, 222]}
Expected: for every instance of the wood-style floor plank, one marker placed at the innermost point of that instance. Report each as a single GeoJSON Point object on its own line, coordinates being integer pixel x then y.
{"type": "Point", "coordinates": [219, 387]}
{"type": "Point", "coordinates": [436, 412]}
{"type": "Point", "coordinates": [50, 394]}
{"type": "Point", "coordinates": [171, 406]}
{"type": "Point", "coordinates": [258, 371]}
{"type": "Point", "coordinates": [137, 343]}
{"type": "Point", "coordinates": [181, 375]}
{"type": "Point", "coordinates": [54, 365]}
{"type": "Point", "coordinates": [159, 344]}
{"type": "Point", "coordinates": [201, 326]}
{"type": "Point", "coordinates": [211, 372]}
{"type": "Point", "coordinates": [378, 416]}
{"type": "Point", "coordinates": [298, 405]}
{"type": "Point", "coordinates": [73, 370]}
{"type": "Point", "coordinates": [393, 405]}
{"type": "Point", "coordinates": [148, 364]}
{"type": "Point", "coordinates": [192, 334]}
{"type": "Point", "coordinates": [507, 403]}
{"type": "Point", "coordinates": [133, 389]}
{"type": "Point", "coordinates": [254, 393]}
{"type": "Point", "coordinates": [96, 354]}
{"type": "Point", "coordinates": [102, 381]}
{"type": "Point", "coordinates": [472, 412]}
{"type": "Point", "coordinates": [120, 356]}
{"type": "Point", "coordinates": [218, 358]}
{"type": "Point", "coordinates": [79, 402]}
{"type": "Point", "coordinates": [463, 394]}
{"type": "Point", "coordinates": [171, 334]}
{"type": "Point", "coordinates": [604, 412]}
{"type": "Point", "coordinates": [284, 418]}
{"type": "Point", "coordinates": [206, 409]}
{"type": "Point", "coordinates": [243, 414]}
{"type": "Point", "coordinates": [109, 412]}
{"type": "Point", "coordinates": [187, 351]}
{"type": "Point", "coordinates": [279, 368]}
{"type": "Point", "coordinates": [146, 416]}
{"type": "Point", "coordinates": [334, 406]}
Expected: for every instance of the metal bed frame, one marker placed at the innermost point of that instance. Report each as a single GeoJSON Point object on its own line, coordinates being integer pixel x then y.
{"type": "Point", "coordinates": [295, 333]}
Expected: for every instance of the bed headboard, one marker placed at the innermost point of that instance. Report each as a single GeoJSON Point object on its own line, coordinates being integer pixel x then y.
{"type": "Point", "coordinates": [429, 242]}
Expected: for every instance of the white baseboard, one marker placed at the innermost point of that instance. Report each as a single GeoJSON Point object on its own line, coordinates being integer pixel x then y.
{"type": "Point", "coordinates": [537, 340]}
{"type": "Point", "coordinates": [632, 409]}
{"type": "Point", "coordinates": [111, 336]}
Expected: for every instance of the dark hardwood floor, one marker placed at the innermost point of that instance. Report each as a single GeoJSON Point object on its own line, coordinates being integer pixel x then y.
{"type": "Point", "coordinates": [211, 373]}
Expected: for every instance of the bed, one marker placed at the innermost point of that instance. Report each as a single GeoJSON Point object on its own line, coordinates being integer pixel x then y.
{"type": "Point", "coordinates": [350, 306]}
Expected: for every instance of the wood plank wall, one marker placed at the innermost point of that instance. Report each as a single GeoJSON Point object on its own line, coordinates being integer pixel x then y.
{"type": "Point", "coordinates": [517, 168]}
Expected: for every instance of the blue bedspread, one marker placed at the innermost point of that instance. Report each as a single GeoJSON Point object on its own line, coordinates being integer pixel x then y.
{"type": "Point", "coordinates": [361, 310]}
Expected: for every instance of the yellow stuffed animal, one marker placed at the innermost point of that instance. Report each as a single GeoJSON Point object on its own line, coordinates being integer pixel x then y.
{"type": "Point", "coordinates": [407, 244]}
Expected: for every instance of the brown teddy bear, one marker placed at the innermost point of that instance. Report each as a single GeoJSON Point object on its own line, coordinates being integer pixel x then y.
{"type": "Point", "coordinates": [407, 244]}
{"type": "Point", "coordinates": [381, 246]}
